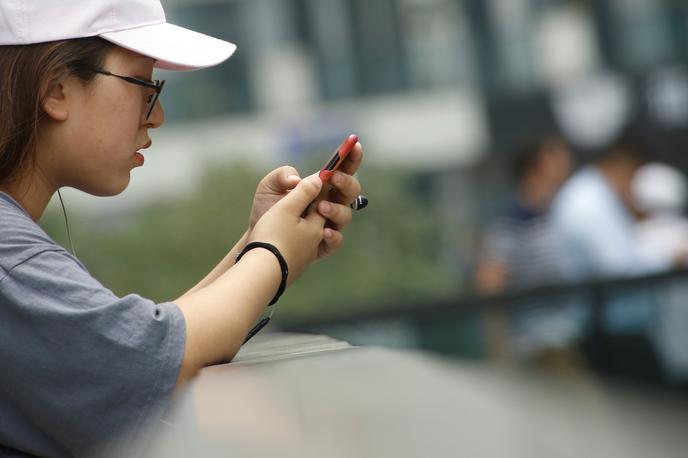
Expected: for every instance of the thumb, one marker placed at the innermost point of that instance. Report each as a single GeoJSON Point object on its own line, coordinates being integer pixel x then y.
{"type": "Point", "coordinates": [281, 179]}
{"type": "Point", "coordinates": [288, 177]}
{"type": "Point", "coordinates": [301, 196]}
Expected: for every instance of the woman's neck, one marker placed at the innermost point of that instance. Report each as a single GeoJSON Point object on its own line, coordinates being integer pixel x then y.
{"type": "Point", "coordinates": [32, 193]}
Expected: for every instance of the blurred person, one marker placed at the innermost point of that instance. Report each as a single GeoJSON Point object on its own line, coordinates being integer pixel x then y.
{"type": "Point", "coordinates": [82, 366]}
{"type": "Point", "coordinates": [518, 249]}
{"type": "Point", "coordinates": [594, 215]}
{"type": "Point", "coordinates": [659, 191]}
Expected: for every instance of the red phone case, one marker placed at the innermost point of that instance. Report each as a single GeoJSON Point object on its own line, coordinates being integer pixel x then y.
{"type": "Point", "coordinates": [337, 158]}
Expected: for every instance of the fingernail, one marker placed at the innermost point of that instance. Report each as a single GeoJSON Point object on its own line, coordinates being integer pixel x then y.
{"type": "Point", "coordinates": [337, 179]}
{"type": "Point", "coordinates": [289, 177]}
{"type": "Point", "coordinates": [325, 208]}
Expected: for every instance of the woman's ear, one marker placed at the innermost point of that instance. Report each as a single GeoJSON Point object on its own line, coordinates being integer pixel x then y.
{"type": "Point", "coordinates": [55, 102]}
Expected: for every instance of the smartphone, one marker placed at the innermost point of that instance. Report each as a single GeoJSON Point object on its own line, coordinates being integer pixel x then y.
{"type": "Point", "coordinates": [337, 158]}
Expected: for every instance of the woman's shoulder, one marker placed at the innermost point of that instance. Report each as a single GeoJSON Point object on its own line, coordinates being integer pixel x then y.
{"type": "Point", "coordinates": [21, 238]}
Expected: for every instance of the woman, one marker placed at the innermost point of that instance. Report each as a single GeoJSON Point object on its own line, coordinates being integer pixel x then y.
{"type": "Point", "coordinates": [82, 366]}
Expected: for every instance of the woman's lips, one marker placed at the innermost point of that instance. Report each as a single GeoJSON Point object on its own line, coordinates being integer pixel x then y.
{"type": "Point", "coordinates": [138, 157]}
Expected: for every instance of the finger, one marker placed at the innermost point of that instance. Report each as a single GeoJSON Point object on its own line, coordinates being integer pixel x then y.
{"type": "Point", "coordinates": [346, 188]}
{"type": "Point", "coordinates": [332, 241]}
{"type": "Point", "coordinates": [323, 195]}
{"type": "Point", "coordinates": [301, 196]}
{"type": "Point", "coordinates": [282, 179]}
{"type": "Point", "coordinates": [290, 178]}
{"type": "Point", "coordinates": [340, 215]}
{"type": "Point", "coordinates": [353, 160]}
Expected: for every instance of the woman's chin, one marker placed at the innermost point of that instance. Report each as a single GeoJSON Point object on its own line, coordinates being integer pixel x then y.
{"type": "Point", "coordinates": [106, 189]}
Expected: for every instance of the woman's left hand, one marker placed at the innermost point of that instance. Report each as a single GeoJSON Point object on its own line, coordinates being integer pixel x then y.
{"type": "Point", "coordinates": [271, 190]}
{"type": "Point", "coordinates": [333, 204]}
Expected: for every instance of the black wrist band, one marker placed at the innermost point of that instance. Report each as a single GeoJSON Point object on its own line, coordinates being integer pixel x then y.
{"type": "Point", "coordinates": [283, 264]}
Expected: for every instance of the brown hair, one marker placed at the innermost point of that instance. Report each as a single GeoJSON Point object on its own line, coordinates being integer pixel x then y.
{"type": "Point", "coordinates": [27, 75]}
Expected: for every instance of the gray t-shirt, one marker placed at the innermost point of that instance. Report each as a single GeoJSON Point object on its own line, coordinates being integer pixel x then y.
{"type": "Point", "coordinates": [79, 366]}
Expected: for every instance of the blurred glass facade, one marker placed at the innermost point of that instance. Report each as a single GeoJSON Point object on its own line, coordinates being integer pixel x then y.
{"type": "Point", "coordinates": [502, 70]}
{"type": "Point", "coordinates": [355, 48]}
{"type": "Point", "coordinates": [345, 48]}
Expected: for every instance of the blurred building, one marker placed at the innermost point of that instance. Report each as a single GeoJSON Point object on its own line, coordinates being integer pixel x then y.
{"type": "Point", "coordinates": [299, 54]}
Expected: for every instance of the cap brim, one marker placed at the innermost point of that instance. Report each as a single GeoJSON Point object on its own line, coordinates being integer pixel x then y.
{"type": "Point", "coordinates": [173, 47]}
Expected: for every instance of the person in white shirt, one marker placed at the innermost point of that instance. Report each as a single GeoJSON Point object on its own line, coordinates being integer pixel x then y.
{"type": "Point", "coordinates": [594, 218]}
{"type": "Point", "coordinates": [660, 192]}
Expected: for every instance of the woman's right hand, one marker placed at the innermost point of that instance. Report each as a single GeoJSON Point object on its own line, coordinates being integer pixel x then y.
{"type": "Point", "coordinates": [294, 226]}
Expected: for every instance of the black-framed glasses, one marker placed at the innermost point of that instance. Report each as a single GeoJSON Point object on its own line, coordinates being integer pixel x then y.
{"type": "Point", "coordinates": [156, 85]}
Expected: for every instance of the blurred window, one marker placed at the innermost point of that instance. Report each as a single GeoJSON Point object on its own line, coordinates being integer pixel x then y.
{"type": "Point", "coordinates": [436, 42]}
{"type": "Point", "coordinates": [366, 48]}
{"type": "Point", "coordinates": [330, 27]}
{"type": "Point", "coordinates": [378, 46]}
{"type": "Point", "coordinates": [358, 46]}
{"type": "Point", "coordinates": [513, 26]}
{"type": "Point", "coordinates": [217, 90]}
{"type": "Point", "coordinates": [641, 33]}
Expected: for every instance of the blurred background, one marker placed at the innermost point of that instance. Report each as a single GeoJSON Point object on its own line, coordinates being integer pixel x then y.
{"type": "Point", "coordinates": [475, 116]}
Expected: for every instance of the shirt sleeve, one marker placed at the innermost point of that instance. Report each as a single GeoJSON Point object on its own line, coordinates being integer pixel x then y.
{"type": "Point", "coordinates": [498, 242]}
{"type": "Point", "coordinates": [81, 364]}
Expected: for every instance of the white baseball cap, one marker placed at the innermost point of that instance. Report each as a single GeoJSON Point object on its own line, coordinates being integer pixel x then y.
{"type": "Point", "coordinates": [137, 25]}
{"type": "Point", "coordinates": [659, 188]}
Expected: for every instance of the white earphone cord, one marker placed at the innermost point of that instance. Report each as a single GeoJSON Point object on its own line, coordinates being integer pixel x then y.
{"type": "Point", "coordinates": [69, 234]}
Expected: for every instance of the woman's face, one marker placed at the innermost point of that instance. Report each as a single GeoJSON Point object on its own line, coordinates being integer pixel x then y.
{"type": "Point", "coordinates": [98, 144]}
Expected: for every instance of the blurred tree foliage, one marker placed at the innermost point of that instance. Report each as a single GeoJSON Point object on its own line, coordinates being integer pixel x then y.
{"type": "Point", "coordinates": [391, 250]}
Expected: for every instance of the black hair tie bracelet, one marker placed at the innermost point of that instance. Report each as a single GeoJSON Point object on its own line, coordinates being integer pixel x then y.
{"type": "Point", "coordinates": [283, 264]}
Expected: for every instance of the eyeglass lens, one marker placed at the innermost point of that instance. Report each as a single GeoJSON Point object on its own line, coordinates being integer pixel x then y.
{"type": "Point", "coordinates": [154, 98]}
{"type": "Point", "coordinates": [151, 104]}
